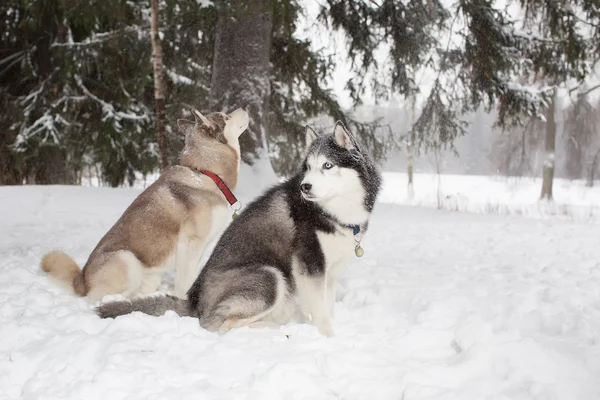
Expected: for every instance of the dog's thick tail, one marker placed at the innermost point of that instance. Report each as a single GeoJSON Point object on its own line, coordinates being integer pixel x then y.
{"type": "Point", "coordinates": [64, 271]}
{"type": "Point", "coordinates": [155, 305]}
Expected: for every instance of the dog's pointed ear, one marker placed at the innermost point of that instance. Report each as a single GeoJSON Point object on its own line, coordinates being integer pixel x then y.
{"type": "Point", "coordinates": [186, 127]}
{"type": "Point", "coordinates": [200, 119]}
{"type": "Point", "coordinates": [311, 135]}
{"type": "Point", "coordinates": [342, 136]}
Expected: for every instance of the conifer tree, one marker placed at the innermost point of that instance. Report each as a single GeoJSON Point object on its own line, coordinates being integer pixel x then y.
{"type": "Point", "coordinates": [76, 77]}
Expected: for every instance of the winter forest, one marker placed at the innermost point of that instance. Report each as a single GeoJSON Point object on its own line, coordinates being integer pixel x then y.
{"type": "Point", "coordinates": [476, 274]}
{"type": "Point", "coordinates": [94, 88]}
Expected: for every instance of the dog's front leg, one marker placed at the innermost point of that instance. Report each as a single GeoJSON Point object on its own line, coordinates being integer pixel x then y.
{"type": "Point", "coordinates": [189, 254]}
{"type": "Point", "coordinates": [332, 274]}
{"type": "Point", "coordinates": [312, 290]}
{"type": "Point", "coordinates": [331, 282]}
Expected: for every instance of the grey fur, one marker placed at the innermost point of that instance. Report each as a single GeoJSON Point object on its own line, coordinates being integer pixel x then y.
{"type": "Point", "coordinates": [156, 306]}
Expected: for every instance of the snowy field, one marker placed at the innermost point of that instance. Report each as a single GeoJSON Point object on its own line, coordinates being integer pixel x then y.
{"type": "Point", "coordinates": [573, 200]}
{"type": "Point", "coordinates": [443, 305]}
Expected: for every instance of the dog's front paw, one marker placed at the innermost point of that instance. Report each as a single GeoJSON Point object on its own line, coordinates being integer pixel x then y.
{"type": "Point", "coordinates": [326, 329]}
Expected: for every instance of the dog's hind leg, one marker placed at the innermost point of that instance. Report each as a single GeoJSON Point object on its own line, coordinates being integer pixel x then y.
{"type": "Point", "coordinates": [263, 324]}
{"type": "Point", "coordinates": [122, 273]}
{"type": "Point", "coordinates": [251, 299]}
{"type": "Point", "coordinates": [150, 282]}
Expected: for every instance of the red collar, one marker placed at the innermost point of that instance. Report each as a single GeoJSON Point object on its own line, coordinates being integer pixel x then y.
{"type": "Point", "coordinates": [224, 189]}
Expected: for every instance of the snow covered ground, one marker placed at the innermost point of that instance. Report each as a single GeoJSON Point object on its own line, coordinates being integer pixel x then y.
{"type": "Point", "coordinates": [494, 195]}
{"type": "Point", "coordinates": [443, 305]}
{"type": "Point", "coordinates": [573, 200]}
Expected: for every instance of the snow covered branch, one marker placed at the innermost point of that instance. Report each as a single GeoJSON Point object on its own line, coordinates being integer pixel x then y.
{"type": "Point", "coordinates": [108, 109]}
{"type": "Point", "coordinates": [589, 91]}
{"type": "Point", "coordinates": [46, 123]}
{"type": "Point", "coordinates": [102, 37]}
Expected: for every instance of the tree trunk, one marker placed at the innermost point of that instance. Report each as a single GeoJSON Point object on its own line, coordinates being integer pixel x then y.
{"type": "Point", "coordinates": [591, 176]}
{"type": "Point", "coordinates": [159, 86]}
{"type": "Point", "coordinates": [549, 162]}
{"type": "Point", "coordinates": [574, 154]}
{"type": "Point", "coordinates": [438, 168]}
{"type": "Point", "coordinates": [241, 69]}
{"type": "Point", "coordinates": [10, 165]}
{"type": "Point", "coordinates": [411, 150]}
{"type": "Point", "coordinates": [50, 168]}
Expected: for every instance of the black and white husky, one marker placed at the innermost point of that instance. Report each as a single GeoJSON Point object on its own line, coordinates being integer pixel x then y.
{"type": "Point", "coordinates": [288, 245]}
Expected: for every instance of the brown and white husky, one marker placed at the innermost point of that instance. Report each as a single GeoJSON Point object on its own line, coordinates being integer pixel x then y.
{"type": "Point", "coordinates": [169, 224]}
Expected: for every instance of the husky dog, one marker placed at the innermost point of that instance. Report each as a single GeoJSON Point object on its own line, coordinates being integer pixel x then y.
{"type": "Point", "coordinates": [168, 224]}
{"type": "Point", "coordinates": [288, 244]}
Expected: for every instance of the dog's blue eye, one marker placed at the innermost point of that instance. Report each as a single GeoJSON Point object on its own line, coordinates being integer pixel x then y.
{"type": "Point", "coordinates": [327, 165]}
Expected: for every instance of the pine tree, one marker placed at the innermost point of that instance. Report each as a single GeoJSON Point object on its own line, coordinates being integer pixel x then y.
{"type": "Point", "coordinates": [482, 67]}
{"type": "Point", "coordinates": [75, 96]}
{"type": "Point", "coordinates": [556, 43]}
{"type": "Point", "coordinates": [83, 86]}
{"type": "Point", "coordinates": [76, 77]}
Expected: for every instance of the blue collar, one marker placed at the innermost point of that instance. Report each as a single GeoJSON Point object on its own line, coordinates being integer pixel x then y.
{"type": "Point", "coordinates": [355, 229]}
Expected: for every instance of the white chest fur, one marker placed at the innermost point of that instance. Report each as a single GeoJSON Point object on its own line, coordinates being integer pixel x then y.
{"type": "Point", "coordinates": [221, 216]}
{"type": "Point", "coordinates": [338, 248]}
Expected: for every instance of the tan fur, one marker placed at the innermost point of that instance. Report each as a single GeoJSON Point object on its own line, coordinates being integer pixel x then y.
{"type": "Point", "coordinates": [167, 226]}
{"type": "Point", "coordinates": [62, 268]}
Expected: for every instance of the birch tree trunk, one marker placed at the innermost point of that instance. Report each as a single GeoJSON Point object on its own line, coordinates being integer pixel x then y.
{"type": "Point", "coordinates": [411, 150]}
{"type": "Point", "coordinates": [159, 86]}
{"type": "Point", "coordinates": [550, 161]}
{"type": "Point", "coordinates": [241, 69]}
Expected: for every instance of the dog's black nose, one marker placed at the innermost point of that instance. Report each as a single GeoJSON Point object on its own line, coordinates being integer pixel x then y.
{"type": "Point", "coordinates": [306, 187]}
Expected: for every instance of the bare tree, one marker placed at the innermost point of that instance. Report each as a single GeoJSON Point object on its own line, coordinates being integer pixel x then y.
{"type": "Point", "coordinates": [593, 168]}
{"type": "Point", "coordinates": [580, 129]}
{"type": "Point", "coordinates": [159, 85]}
{"type": "Point", "coordinates": [583, 141]}
{"type": "Point", "coordinates": [410, 149]}
{"type": "Point", "coordinates": [516, 151]}
{"type": "Point", "coordinates": [438, 162]}
{"type": "Point", "coordinates": [550, 157]}
{"type": "Point", "coordinates": [435, 145]}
